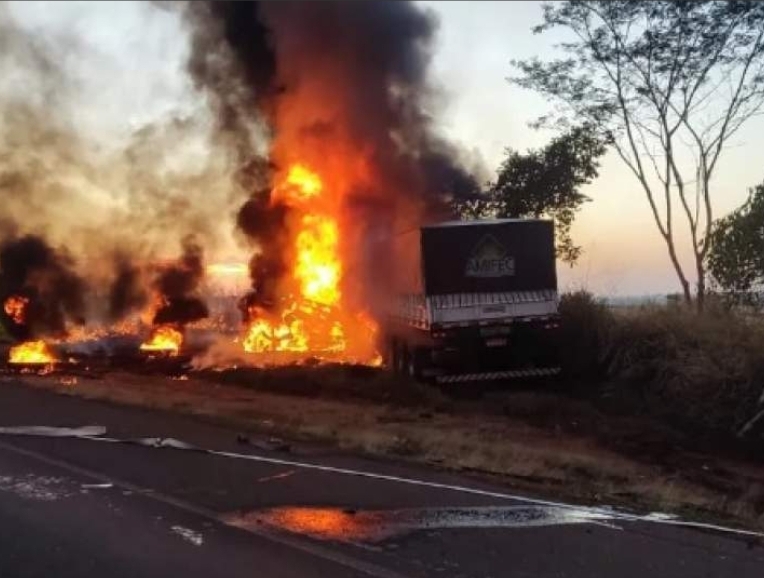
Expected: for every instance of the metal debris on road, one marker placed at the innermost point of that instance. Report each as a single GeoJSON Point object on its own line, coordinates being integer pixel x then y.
{"type": "Point", "coordinates": [32, 487]}
{"type": "Point", "coordinates": [97, 486]}
{"type": "Point", "coordinates": [189, 535]}
{"type": "Point", "coordinates": [48, 431]}
{"type": "Point", "coordinates": [279, 476]}
{"type": "Point", "coordinates": [163, 443]}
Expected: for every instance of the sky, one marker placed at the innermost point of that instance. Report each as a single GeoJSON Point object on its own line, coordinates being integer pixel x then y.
{"type": "Point", "coordinates": [133, 74]}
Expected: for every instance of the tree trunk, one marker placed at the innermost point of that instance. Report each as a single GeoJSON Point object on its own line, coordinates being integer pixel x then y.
{"type": "Point", "coordinates": [678, 268]}
{"type": "Point", "coordinates": [701, 272]}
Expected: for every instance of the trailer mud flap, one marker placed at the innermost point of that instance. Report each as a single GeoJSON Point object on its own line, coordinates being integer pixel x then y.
{"type": "Point", "coordinates": [492, 375]}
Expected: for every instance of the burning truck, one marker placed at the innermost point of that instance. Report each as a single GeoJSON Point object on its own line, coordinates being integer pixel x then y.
{"type": "Point", "coordinates": [474, 300]}
{"type": "Point", "coordinates": [454, 301]}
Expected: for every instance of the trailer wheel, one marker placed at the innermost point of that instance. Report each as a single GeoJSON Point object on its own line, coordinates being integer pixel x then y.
{"type": "Point", "coordinates": [400, 357]}
{"type": "Point", "coordinates": [417, 359]}
{"type": "Point", "coordinates": [388, 354]}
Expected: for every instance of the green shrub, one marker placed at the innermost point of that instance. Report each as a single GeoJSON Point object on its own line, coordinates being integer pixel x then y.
{"type": "Point", "coordinates": [702, 371]}
{"type": "Point", "coordinates": [585, 325]}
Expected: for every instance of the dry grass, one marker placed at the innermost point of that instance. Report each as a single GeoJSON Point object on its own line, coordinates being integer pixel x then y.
{"type": "Point", "coordinates": [351, 382]}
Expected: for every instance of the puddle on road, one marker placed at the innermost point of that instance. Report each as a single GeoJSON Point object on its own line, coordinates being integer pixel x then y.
{"type": "Point", "coordinates": [377, 525]}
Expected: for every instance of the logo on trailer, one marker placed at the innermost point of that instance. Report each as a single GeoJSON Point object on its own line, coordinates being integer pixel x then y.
{"type": "Point", "coordinates": [489, 259]}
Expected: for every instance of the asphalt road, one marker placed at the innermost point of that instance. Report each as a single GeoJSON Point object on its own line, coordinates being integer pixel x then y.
{"type": "Point", "coordinates": [86, 508]}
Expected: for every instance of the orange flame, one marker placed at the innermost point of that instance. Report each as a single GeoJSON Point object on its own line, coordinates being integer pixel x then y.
{"type": "Point", "coordinates": [318, 267]}
{"type": "Point", "coordinates": [314, 321]}
{"type": "Point", "coordinates": [301, 327]}
{"type": "Point", "coordinates": [15, 307]}
{"type": "Point", "coordinates": [163, 339]}
{"type": "Point", "coordinates": [299, 185]}
{"type": "Point", "coordinates": [31, 352]}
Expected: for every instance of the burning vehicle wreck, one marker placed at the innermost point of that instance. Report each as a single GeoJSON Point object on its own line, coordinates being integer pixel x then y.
{"type": "Point", "coordinates": [334, 150]}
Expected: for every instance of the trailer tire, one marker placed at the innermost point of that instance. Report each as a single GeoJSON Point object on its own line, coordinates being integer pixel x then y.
{"type": "Point", "coordinates": [417, 359]}
{"type": "Point", "coordinates": [400, 357]}
{"type": "Point", "coordinates": [389, 354]}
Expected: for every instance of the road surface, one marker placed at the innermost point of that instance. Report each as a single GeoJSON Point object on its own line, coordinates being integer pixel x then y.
{"type": "Point", "coordinates": [81, 507]}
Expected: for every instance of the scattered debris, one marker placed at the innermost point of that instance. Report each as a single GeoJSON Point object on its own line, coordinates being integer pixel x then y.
{"type": "Point", "coordinates": [163, 443]}
{"type": "Point", "coordinates": [280, 476]}
{"type": "Point", "coordinates": [189, 535]}
{"type": "Point", "coordinates": [272, 444]}
{"type": "Point", "coordinates": [45, 370]}
{"type": "Point", "coordinates": [32, 487]}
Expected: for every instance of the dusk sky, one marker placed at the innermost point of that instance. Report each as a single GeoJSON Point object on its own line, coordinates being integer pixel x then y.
{"type": "Point", "coordinates": [128, 59]}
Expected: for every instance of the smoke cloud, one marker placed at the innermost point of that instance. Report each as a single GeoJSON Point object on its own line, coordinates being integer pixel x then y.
{"type": "Point", "coordinates": [232, 62]}
{"type": "Point", "coordinates": [177, 283]}
{"type": "Point", "coordinates": [344, 88]}
{"type": "Point", "coordinates": [127, 292]}
{"type": "Point", "coordinates": [362, 72]}
{"type": "Point", "coordinates": [44, 277]}
{"type": "Point", "coordinates": [341, 87]}
{"type": "Point", "coordinates": [134, 191]}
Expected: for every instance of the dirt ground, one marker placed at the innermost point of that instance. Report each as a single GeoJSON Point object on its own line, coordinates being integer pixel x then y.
{"type": "Point", "coordinates": [534, 439]}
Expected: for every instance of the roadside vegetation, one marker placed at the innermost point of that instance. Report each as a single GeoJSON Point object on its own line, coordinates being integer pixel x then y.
{"type": "Point", "coordinates": [703, 373]}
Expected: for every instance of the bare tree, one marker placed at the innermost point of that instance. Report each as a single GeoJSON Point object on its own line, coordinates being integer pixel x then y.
{"type": "Point", "coordinates": [668, 84]}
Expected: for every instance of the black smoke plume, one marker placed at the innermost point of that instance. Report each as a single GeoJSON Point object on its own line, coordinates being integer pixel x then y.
{"type": "Point", "coordinates": [127, 292]}
{"type": "Point", "coordinates": [265, 224]}
{"type": "Point", "coordinates": [177, 284]}
{"type": "Point", "coordinates": [362, 70]}
{"type": "Point", "coordinates": [232, 61]}
{"type": "Point", "coordinates": [373, 58]}
{"type": "Point", "coordinates": [32, 269]}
